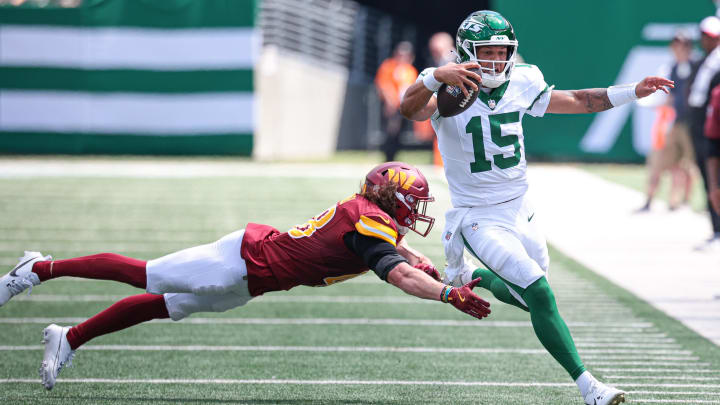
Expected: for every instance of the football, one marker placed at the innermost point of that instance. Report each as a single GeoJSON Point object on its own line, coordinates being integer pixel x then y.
{"type": "Point", "coordinates": [451, 100]}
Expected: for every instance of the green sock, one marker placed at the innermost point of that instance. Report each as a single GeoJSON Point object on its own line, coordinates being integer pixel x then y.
{"type": "Point", "coordinates": [498, 288]}
{"type": "Point", "coordinates": [550, 328]}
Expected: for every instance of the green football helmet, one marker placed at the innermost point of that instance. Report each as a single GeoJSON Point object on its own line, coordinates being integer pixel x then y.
{"type": "Point", "coordinates": [483, 28]}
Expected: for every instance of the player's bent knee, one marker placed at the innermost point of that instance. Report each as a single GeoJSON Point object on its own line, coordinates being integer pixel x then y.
{"type": "Point", "coordinates": [539, 295]}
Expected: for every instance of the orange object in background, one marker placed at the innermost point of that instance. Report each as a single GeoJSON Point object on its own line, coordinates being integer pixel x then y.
{"type": "Point", "coordinates": [665, 115]}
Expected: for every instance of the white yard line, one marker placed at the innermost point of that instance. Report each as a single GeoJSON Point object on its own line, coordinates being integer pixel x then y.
{"type": "Point", "coordinates": [649, 363]}
{"type": "Point", "coordinates": [366, 349]}
{"type": "Point", "coordinates": [673, 401]}
{"type": "Point", "coordinates": [317, 349]}
{"type": "Point", "coordinates": [156, 381]}
{"type": "Point", "coordinates": [674, 392]}
{"type": "Point", "coordinates": [337, 321]}
{"type": "Point", "coordinates": [655, 377]}
{"type": "Point", "coordinates": [658, 370]}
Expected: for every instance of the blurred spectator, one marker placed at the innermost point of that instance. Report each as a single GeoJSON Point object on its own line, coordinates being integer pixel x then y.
{"type": "Point", "coordinates": [442, 48]}
{"type": "Point", "coordinates": [393, 77]}
{"type": "Point", "coordinates": [706, 78]}
{"type": "Point", "coordinates": [712, 131]}
{"type": "Point", "coordinates": [672, 149]}
{"type": "Point", "coordinates": [442, 51]}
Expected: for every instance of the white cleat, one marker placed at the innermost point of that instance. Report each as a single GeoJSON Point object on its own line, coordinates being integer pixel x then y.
{"type": "Point", "coordinates": [601, 394]}
{"type": "Point", "coordinates": [21, 277]}
{"type": "Point", "coordinates": [57, 354]}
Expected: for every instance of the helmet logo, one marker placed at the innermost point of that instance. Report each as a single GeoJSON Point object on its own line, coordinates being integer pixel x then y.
{"type": "Point", "coordinates": [499, 38]}
{"type": "Point", "coordinates": [472, 26]}
{"type": "Point", "coordinates": [401, 178]}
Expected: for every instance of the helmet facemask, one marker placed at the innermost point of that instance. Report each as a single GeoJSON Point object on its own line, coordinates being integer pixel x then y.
{"type": "Point", "coordinates": [412, 209]}
{"type": "Point", "coordinates": [491, 78]}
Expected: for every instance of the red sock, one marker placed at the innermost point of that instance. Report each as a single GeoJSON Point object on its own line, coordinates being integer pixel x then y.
{"type": "Point", "coordinates": [104, 266]}
{"type": "Point", "coordinates": [122, 314]}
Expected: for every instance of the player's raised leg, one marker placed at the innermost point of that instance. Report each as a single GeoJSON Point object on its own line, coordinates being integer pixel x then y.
{"type": "Point", "coordinates": [215, 270]}
{"type": "Point", "coordinates": [34, 268]}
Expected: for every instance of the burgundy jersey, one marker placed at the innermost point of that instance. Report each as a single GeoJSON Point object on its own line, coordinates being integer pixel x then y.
{"type": "Point", "coordinates": [313, 253]}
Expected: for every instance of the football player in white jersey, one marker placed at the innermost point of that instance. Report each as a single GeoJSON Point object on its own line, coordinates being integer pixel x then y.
{"type": "Point", "coordinates": [483, 153]}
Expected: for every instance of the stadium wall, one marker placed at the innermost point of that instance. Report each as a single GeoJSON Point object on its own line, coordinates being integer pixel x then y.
{"type": "Point", "coordinates": [585, 44]}
{"type": "Point", "coordinates": [129, 77]}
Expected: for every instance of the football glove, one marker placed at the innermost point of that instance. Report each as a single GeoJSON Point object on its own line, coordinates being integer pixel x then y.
{"type": "Point", "coordinates": [465, 300]}
{"type": "Point", "coordinates": [430, 270]}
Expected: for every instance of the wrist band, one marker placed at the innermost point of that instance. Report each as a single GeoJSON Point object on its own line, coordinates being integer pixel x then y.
{"type": "Point", "coordinates": [445, 293]}
{"type": "Point", "coordinates": [430, 82]}
{"type": "Point", "coordinates": [442, 293]}
{"type": "Point", "coordinates": [622, 94]}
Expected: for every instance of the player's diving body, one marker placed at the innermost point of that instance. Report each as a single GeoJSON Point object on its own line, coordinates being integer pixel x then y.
{"type": "Point", "coordinates": [483, 153]}
{"type": "Point", "coordinates": [364, 231]}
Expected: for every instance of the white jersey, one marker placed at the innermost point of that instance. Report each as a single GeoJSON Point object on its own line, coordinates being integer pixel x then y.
{"type": "Point", "coordinates": [483, 148]}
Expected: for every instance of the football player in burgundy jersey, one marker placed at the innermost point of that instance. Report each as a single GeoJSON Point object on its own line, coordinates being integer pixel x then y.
{"type": "Point", "coordinates": [360, 233]}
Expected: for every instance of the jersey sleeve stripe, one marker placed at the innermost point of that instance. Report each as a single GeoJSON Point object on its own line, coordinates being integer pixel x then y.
{"type": "Point", "coordinates": [369, 227]}
{"type": "Point", "coordinates": [545, 90]}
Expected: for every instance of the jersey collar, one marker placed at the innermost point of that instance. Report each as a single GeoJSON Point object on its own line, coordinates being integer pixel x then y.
{"type": "Point", "coordinates": [493, 99]}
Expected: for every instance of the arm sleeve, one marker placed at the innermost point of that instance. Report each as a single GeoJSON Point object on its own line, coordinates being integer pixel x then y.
{"type": "Point", "coordinates": [378, 255]}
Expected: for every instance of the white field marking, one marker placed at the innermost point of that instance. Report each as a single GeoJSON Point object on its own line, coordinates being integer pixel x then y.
{"type": "Point", "coordinates": [336, 299]}
{"type": "Point", "coordinates": [657, 370]}
{"type": "Point", "coordinates": [656, 358]}
{"type": "Point", "coordinates": [644, 345]}
{"type": "Point", "coordinates": [313, 349]}
{"type": "Point", "coordinates": [312, 321]}
{"type": "Point", "coordinates": [649, 363]}
{"type": "Point", "coordinates": [640, 339]}
{"type": "Point", "coordinates": [655, 377]}
{"type": "Point", "coordinates": [674, 392]}
{"type": "Point", "coordinates": [673, 401]}
{"type": "Point", "coordinates": [366, 349]}
{"type": "Point", "coordinates": [339, 382]}
{"type": "Point", "coordinates": [291, 382]}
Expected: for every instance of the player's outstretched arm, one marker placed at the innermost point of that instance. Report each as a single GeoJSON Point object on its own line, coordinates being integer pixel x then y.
{"type": "Point", "coordinates": [421, 285]}
{"type": "Point", "coordinates": [596, 100]}
{"type": "Point", "coordinates": [418, 103]}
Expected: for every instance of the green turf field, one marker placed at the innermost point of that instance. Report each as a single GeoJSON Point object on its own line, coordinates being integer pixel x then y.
{"type": "Point", "coordinates": [358, 342]}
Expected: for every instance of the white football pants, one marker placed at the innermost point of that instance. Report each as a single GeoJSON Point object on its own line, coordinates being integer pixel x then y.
{"type": "Point", "coordinates": [507, 239]}
{"type": "Point", "coordinates": [206, 278]}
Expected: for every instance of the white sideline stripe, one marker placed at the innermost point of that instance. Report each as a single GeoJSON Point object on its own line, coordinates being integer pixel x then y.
{"type": "Point", "coordinates": [320, 321]}
{"type": "Point", "coordinates": [263, 299]}
{"type": "Point", "coordinates": [336, 382]}
{"type": "Point", "coordinates": [655, 377]}
{"type": "Point", "coordinates": [662, 358]}
{"type": "Point", "coordinates": [128, 48]}
{"type": "Point", "coordinates": [648, 363]}
{"type": "Point", "coordinates": [315, 349]}
{"type": "Point", "coordinates": [200, 348]}
{"type": "Point", "coordinates": [126, 113]}
{"type": "Point", "coordinates": [291, 382]}
{"type": "Point", "coordinates": [658, 370]}
{"type": "Point", "coordinates": [674, 392]}
{"type": "Point", "coordinates": [638, 339]}
{"type": "Point", "coordinates": [630, 345]}
{"type": "Point", "coordinates": [673, 401]}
